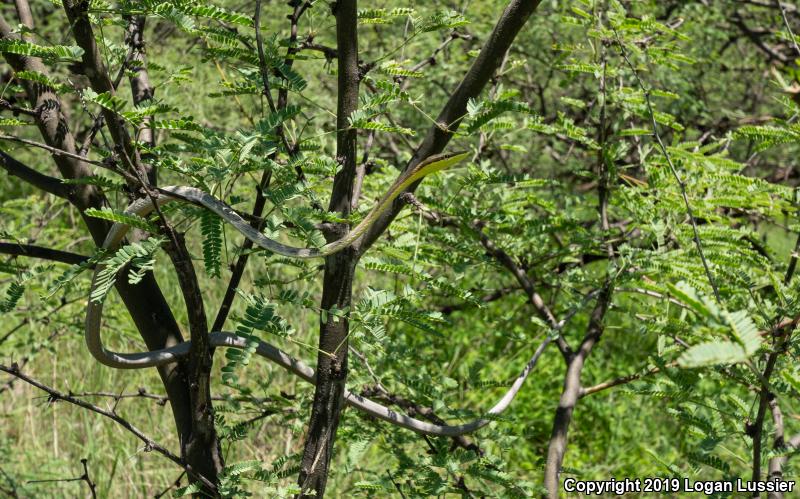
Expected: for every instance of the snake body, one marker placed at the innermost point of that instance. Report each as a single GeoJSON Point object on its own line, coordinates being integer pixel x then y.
{"type": "Point", "coordinates": [143, 207]}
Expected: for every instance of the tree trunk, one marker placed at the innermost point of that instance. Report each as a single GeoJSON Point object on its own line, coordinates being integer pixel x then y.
{"type": "Point", "coordinates": [339, 268]}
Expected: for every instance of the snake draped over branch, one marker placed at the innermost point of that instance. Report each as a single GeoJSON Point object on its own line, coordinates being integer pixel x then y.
{"type": "Point", "coordinates": [144, 206]}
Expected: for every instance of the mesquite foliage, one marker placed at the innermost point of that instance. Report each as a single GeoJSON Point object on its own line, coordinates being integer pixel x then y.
{"type": "Point", "coordinates": [631, 192]}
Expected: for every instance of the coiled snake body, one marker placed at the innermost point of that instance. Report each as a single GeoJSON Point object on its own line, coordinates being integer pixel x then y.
{"type": "Point", "coordinates": [145, 206]}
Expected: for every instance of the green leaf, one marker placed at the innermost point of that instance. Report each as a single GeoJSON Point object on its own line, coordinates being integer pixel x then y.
{"type": "Point", "coordinates": [13, 294]}
{"type": "Point", "coordinates": [744, 330]}
{"type": "Point", "coordinates": [53, 52]}
{"type": "Point", "coordinates": [688, 296]}
{"type": "Point", "coordinates": [105, 100]}
{"type": "Point", "coordinates": [211, 229]}
{"type": "Point", "coordinates": [120, 217]}
{"type": "Point", "coordinates": [712, 353]}
{"type": "Point", "coordinates": [192, 488]}
{"type": "Point", "coordinates": [140, 256]}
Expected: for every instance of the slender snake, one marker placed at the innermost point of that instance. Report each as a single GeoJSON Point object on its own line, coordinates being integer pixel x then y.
{"type": "Point", "coordinates": [145, 206]}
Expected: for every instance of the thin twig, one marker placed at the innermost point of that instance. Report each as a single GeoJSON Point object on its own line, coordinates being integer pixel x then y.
{"type": "Point", "coordinates": [45, 253]}
{"type": "Point", "coordinates": [788, 27]}
{"type": "Point", "coordinates": [672, 168]}
{"type": "Point", "coordinates": [793, 260]}
{"type": "Point", "coordinates": [83, 478]}
{"type": "Point", "coordinates": [4, 104]}
{"type": "Point", "coordinates": [53, 150]}
{"type": "Point", "coordinates": [262, 63]}
{"type": "Point", "coordinates": [142, 393]}
{"type": "Point", "coordinates": [41, 181]}
{"type": "Point", "coordinates": [173, 485]}
{"type": "Point", "coordinates": [622, 380]}
{"type": "Point", "coordinates": [150, 444]}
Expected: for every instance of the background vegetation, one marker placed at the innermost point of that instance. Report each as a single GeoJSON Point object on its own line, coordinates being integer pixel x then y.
{"type": "Point", "coordinates": [630, 193]}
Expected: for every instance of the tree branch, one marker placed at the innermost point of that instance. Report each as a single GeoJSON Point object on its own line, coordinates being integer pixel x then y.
{"type": "Point", "coordinates": [145, 301]}
{"type": "Point", "coordinates": [41, 181]}
{"type": "Point", "coordinates": [571, 393]}
{"type": "Point", "coordinates": [141, 89]}
{"type": "Point", "coordinates": [24, 13]}
{"type": "Point", "coordinates": [100, 81]}
{"type": "Point", "coordinates": [777, 463]}
{"type": "Point", "coordinates": [622, 380]}
{"type": "Point", "coordinates": [506, 261]}
{"type": "Point", "coordinates": [150, 444]}
{"type": "Point", "coordinates": [260, 202]}
{"type": "Point", "coordinates": [203, 439]}
{"type": "Point", "coordinates": [33, 251]}
{"type": "Point", "coordinates": [673, 170]}
{"type": "Point", "coordinates": [339, 270]}
{"type": "Point", "coordinates": [572, 380]}
{"type": "Point", "coordinates": [52, 150]}
{"type": "Point", "coordinates": [513, 18]}
{"type": "Point", "coordinates": [535, 299]}
{"type": "Point", "coordinates": [83, 478]}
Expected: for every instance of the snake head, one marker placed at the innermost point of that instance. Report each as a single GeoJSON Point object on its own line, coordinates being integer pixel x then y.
{"type": "Point", "coordinates": [439, 162]}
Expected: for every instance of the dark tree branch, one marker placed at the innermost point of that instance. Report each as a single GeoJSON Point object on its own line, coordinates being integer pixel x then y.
{"type": "Point", "coordinates": [41, 181]}
{"type": "Point", "coordinates": [260, 202]}
{"type": "Point", "coordinates": [141, 394]}
{"type": "Point", "coordinates": [141, 89]}
{"type": "Point", "coordinates": [493, 296]}
{"type": "Point", "coordinates": [535, 299]}
{"type": "Point", "coordinates": [52, 150]}
{"type": "Point", "coordinates": [33, 251]}
{"type": "Point", "coordinates": [83, 478]}
{"type": "Point", "coordinates": [339, 270]}
{"type": "Point", "coordinates": [330, 53]}
{"type": "Point", "coordinates": [480, 73]}
{"type": "Point", "coordinates": [777, 463]}
{"type": "Point", "coordinates": [54, 127]}
{"type": "Point", "coordinates": [24, 13]}
{"type": "Point", "coordinates": [262, 63]}
{"type": "Point", "coordinates": [361, 171]}
{"type": "Point", "coordinates": [681, 184]}
{"type": "Point", "coordinates": [241, 262]}
{"type": "Point", "coordinates": [300, 6]}
{"type": "Point", "coordinates": [4, 104]}
{"type": "Point", "coordinates": [150, 444]}
{"type": "Point", "coordinates": [756, 430]}
{"type": "Point", "coordinates": [145, 301]}
{"type": "Point", "coordinates": [201, 446]}
{"type": "Point", "coordinates": [622, 380]}
{"type": "Point", "coordinates": [782, 334]}
{"type": "Point", "coordinates": [505, 260]}
{"type": "Point", "coordinates": [99, 120]}
{"type": "Point", "coordinates": [430, 60]}
{"type": "Point", "coordinates": [95, 70]}
{"type": "Point", "coordinates": [756, 37]}
{"type": "Point", "coordinates": [571, 393]}
{"type": "Point", "coordinates": [202, 442]}
{"type": "Point", "coordinates": [174, 485]}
